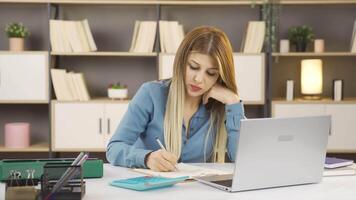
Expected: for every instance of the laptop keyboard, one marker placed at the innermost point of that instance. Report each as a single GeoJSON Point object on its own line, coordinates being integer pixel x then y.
{"type": "Point", "coordinates": [226, 183]}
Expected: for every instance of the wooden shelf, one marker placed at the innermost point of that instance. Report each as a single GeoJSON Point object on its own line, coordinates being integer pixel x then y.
{"type": "Point", "coordinates": [95, 100]}
{"type": "Point", "coordinates": [310, 2]}
{"type": "Point", "coordinates": [157, 2]}
{"type": "Point", "coordinates": [23, 102]}
{"type": "Point", "coordinates": [182, 2]}
{"type": "Point", "coordinates": [322, 101]}
{"type": "Point", "coordinates": [39, 147]}
{"type": "Point", "coordinates": [22, 52]}
{"type": "Point", "coordinates": [104, 53]}
{"type": "Point", "coordinates": [302, 54]}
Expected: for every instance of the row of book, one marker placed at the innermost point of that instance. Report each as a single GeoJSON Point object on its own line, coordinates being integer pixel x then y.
{"type": "Point", "coordinates": [254, 38]}
{"type": "Point", "coordinates": [71, 36]}
{"type": "Point", "coordinates": [353, 39]}
{"type": "Point", "coordinates": [144, 35]}
{"type": "Point", "coordinates": [69, 86]}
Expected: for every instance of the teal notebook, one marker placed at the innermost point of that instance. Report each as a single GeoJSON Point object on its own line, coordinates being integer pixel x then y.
{"type": "Point", "coordinates": [147, 182]}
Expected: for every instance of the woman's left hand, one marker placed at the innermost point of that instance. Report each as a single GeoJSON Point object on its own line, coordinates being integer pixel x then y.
{"type": "Point", "coordinates": [221, 94]}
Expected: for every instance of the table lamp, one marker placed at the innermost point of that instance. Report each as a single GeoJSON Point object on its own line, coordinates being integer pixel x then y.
{"type": "Point", "coordinates": [312, 78]}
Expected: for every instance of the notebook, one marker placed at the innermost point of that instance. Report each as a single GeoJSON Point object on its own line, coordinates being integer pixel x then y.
{"type": "Point", "coordinates": [183, 169]}
{"type": "Point", "coordinates": [332, 162]}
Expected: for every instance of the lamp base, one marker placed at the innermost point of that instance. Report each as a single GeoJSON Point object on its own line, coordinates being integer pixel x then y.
{"type": "Point", "coordinates": [312, 97]}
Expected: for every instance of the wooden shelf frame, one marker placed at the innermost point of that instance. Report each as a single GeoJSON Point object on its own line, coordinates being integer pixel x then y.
{"type": "Point", "coordinates": [36, 147]}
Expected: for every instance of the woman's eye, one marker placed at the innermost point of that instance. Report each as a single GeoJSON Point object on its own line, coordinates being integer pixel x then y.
{"type": "Point", "coordinates": [193, 68]}
{"type": "Point", "coordinates": [211, 73]}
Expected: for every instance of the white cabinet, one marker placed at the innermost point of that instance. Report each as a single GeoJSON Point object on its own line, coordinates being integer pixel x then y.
{"type": "Point", "coordinates": [343, 134]}
{"type": "Point", "coordinates": [249, 73]}
{"type": "Point", "coordinates": [343, 121]}
{"type": "Point", "coordinates": [24, 76]}
{"type": "Point", "coordinates": [84, 126]}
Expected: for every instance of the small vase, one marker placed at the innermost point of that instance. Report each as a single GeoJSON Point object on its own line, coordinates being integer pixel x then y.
{"type": "Point", "coordinates": [301, 46]}
{"type": "Point", "coordinates": [16, 44]}
{"type": "Point", "coordinates": [117, 93]}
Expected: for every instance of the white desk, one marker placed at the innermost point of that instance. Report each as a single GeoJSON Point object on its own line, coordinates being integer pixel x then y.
{"type": "Point", "coordinates": [333, 188]}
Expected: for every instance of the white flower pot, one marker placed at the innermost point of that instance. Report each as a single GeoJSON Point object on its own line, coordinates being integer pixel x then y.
{"type": "Point", "coordinates": [117, 93]}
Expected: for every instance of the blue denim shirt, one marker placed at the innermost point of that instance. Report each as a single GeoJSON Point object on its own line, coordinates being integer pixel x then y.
{"type": "Point", "coordinates": [136, 134]}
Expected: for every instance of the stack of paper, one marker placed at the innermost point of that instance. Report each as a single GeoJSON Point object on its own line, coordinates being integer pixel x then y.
{"type": "Point", "coordinates": [71, 36]}
{"type": "Point", "coordinates": [254, 37]}
{"type": "Point", "coordinates": [184, 170]}
{"type": "Point", "coordinates": [69, 86]}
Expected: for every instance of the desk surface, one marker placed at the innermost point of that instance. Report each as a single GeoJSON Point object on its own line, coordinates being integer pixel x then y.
{"type": "Point", "coordinates": [341, 187]}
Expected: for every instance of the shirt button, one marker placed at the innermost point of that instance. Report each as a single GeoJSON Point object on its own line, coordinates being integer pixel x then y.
{"type": "Point", "coordinates": [228, 110]}
{"type": "Point", "coordinates": [185, 142]}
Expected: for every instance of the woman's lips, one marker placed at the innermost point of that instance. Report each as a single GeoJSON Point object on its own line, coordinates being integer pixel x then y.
{"type": "Point", "coordinates": [194, 88]}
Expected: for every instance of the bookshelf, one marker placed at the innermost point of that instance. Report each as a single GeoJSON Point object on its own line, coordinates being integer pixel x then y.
{"type": "Point", "coordinates": [338, 63]}
{"type": "Point", "coordinates": [112, 23]}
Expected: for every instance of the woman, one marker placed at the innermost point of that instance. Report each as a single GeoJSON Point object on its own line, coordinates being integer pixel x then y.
{"type": "Point", "coordinates": [196, 113]}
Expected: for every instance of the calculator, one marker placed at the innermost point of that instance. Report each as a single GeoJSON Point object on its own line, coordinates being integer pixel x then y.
{"type": "Point", "coordinates": [147, 182]}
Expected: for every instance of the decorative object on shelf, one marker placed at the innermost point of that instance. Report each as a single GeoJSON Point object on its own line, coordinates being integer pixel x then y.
{"type": "Point", "coordinates": [300, 36]}
{"type": "Point", "coordinates": [338, 93]}
{"type": "Point", "coordinates": [17, 33]}
{"type": "Point", "coordinates": [270, 14]}
{"type": "Point", "coordinates": [319, 46]}
{"type": "Point", "coordinates": [290, 90]}
{"type": "Point", "coordinates": [312, 78]}
{"type": "Point", "coordinates": [117, 91]}
{"type": "Point", "coordinates": [17, 135]}
{"type": "Point", "coordinates": [284, 46]}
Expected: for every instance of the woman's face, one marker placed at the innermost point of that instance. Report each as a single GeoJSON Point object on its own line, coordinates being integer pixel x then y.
{"type": "Point", "coordinates": [201, 74]}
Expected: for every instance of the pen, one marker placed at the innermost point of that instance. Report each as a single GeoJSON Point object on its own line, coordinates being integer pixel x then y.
{"type": "Point", "coordinates": [162, 147]}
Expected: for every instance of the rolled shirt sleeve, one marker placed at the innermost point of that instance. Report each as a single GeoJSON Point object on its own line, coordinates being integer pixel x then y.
{"type": "Point", "coordinates": [234, 113]}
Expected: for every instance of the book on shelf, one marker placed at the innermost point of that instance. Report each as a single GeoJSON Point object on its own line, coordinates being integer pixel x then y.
{"type": "Point", "coordinates": [171, 35]}
{"type": "Point", "coordinates": [332, 162]}
{"type": "Point", "coordinates": [353, 39]}
{"type": "Point", "coordinates": [71, 36]}
{"type": "Point", "coordinates": [340, 171]}
{"type": "Point", "coordinates": [69, 86]}
{"type": "Point", "coordinates": [253, 39]}
{"type": "Point", "coordinates": [143, 38]}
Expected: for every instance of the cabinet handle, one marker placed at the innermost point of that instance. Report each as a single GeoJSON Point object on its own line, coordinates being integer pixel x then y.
{"type": "Point", "coordinates": [108, 126]}
{"type": "Point", "coordinates": [100, 127]}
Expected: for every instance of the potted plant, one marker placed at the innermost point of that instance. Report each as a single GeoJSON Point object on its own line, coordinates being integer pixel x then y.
{"type": "Point", "coordinates": [16, 33]}
{"type": "Point", "coordinates": [117, 91]}
{"type": "Point", "coordinates": [300, 36]}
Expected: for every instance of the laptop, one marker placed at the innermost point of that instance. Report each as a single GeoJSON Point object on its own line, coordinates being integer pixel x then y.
{"type": "Point", "coordinates": [274, 152]}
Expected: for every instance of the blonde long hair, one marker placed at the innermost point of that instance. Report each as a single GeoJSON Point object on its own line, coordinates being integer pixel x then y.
{"type": "Point", "coordinates": [213, 42]}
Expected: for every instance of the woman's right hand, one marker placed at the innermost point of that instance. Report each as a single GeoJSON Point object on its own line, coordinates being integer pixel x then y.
{"type": "Point", "coordinates": [161, 160]}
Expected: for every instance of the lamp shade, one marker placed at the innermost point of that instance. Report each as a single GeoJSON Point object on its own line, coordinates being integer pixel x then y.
{"type": "Point", "coordinates": [312, 76]}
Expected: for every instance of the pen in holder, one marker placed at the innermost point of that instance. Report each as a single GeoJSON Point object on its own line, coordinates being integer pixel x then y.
{"type": "Point", "coordinates": [20, 187]}
{"type": "Point", "coordinates": [70, 185]}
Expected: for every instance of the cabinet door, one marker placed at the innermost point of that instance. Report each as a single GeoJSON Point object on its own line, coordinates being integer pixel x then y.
{"type": "Point", "coordinates": [343, 135]}
{"type": "Point", "coordinates": [297, 110]}
{"type": "Point", "coordinates": [23, 76]}
{"type": "Point", "coordinates": [78, 126]}
{"type": "Point", "coordinates": [250, 77]}
{"type": "Point", "coordinates": [113, 115]}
